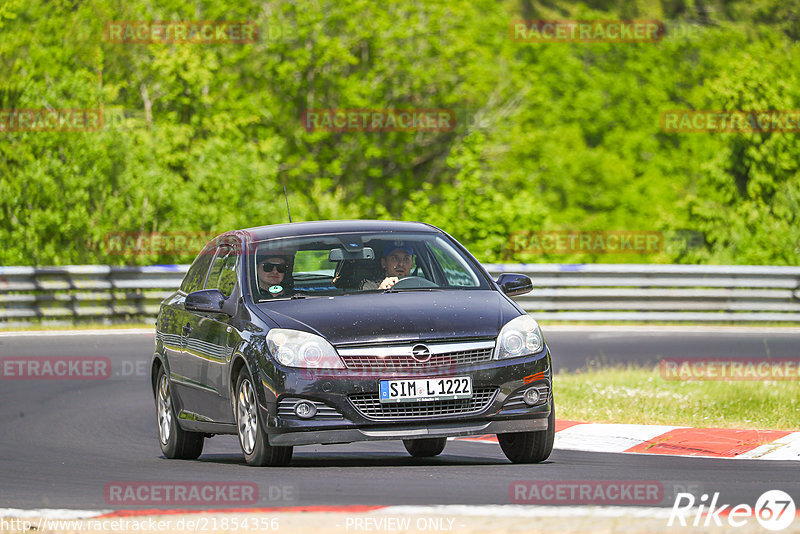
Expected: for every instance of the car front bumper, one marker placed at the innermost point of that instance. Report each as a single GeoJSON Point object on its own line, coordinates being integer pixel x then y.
{"type": "Point", "coordinates": [409, 431]}
{"type": "Point", "coordinates": [345, 423]}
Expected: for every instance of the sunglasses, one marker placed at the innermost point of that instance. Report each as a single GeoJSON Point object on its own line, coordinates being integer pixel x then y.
{"type": "Point", "coordinates": [281, 267]}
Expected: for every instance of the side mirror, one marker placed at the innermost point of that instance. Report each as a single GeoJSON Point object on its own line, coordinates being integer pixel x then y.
{"type": "Point", "coordinates": [513, 284]}
{"type": "Point", "coordinates": [205, 300]}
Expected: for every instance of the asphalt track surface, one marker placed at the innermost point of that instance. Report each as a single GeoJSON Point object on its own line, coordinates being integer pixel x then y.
{"type": "Point", "coordinates": [63, 441]}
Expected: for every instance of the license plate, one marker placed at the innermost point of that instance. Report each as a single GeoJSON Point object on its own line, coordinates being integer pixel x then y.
{"type": "Point", "coordinates": [426, 389]}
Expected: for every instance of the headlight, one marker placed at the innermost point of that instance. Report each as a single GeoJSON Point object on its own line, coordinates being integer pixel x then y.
{"type": "Point", "coordinates": [293, 348]}
{"type": "Point", "coordinates": [519, 337]}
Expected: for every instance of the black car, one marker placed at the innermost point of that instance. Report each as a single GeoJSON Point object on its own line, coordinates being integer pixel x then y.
{"type": "Point", "coordinates": [343, 331]}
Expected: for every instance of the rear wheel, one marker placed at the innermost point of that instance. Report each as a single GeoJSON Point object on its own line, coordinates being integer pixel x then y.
{"type": "Point", "coordinates": [252, 432]}
{"type": "Point", "coordinates": [175, 442]}
{"type": "Point", "coordinates": [425, 448]}
{"type": "Point", "coordinates": [530, 447]}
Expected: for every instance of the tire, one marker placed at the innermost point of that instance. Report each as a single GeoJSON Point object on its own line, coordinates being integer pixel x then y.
{"type": "Point", "coordinates": [425, 448]}
{"type": "Point", "coordinates": [251, 429]}
{"type": "Point", "coordinates": [530, 447]}
{"type": "Point", "coordinates": [175, 442]}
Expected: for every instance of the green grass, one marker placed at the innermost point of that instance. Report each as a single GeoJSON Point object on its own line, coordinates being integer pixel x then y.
{"type": "Point", "coordinates": [641, 396]}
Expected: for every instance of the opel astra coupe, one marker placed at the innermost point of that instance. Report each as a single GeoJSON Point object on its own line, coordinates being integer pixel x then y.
{"type": "Point", "coordinates": [346, 331]}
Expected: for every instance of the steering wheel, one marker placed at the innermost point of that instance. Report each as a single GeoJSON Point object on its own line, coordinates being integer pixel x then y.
{"type": "Point", "coordinates": [413, 282]}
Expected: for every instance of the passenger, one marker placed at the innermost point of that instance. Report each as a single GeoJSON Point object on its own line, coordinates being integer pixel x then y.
{"type": "Point", "coordinates": [396, 262]}
{"type": "Point", "coordinates": [274, 272]}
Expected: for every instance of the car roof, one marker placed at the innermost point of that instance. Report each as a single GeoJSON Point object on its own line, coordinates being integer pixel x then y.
{"type": "Point", "coordinates": [297, 229]}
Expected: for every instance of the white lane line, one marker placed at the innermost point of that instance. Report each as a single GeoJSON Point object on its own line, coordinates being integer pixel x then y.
{"type": "Point", "coordinates": [607, 438]}
{"type": "Point", "coordinates": [504, 510]}
{"type": "Point", "coordinates": [58, 333]}
{"type": "Point", "coordinates": [51, 513]}
{"type": "Point", "coordinates": [785, 448]}
{"type": "Point", "coordinates": [521, 510]}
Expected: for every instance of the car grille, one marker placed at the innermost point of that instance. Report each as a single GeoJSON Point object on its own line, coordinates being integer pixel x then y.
{"type": "Point", "coordinates": [400, 358]}
{"type": "Point", "coordinates": [370, 406]}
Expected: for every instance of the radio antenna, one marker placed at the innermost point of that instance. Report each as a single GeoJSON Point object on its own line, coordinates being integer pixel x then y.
{"type": "Point", "coordinates": [287, 203]}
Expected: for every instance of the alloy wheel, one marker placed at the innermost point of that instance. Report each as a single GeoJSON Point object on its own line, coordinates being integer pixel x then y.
{"type": "Point", "coordinates": [246, 417]}
{"type": "Point", "coordinates": [164, 410]}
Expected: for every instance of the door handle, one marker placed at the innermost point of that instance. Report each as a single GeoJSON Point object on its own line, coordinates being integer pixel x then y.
{"type": "Point", "coordinates": [187, 328]}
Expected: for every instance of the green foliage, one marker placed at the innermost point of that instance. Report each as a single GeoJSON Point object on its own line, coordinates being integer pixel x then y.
{"type": "Point", "coordinates": [549, 137]}
{"type": "Point", "coordinates": [464, 208]}
{"type": "Point", "coordinates": [749, 203]}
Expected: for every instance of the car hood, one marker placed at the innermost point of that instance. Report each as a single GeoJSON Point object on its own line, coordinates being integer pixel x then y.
{"type": "Point", "coordinates": [388, 317]}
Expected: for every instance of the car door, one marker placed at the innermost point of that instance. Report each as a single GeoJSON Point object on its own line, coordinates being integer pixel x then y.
{"type": "Point", "coordinates": [207, 350]}
{"type": "Point", "coordinates": [174, 325]}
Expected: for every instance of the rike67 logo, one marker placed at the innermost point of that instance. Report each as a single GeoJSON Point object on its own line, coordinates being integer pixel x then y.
{"type": "Point", "coordinates": [774, 510]}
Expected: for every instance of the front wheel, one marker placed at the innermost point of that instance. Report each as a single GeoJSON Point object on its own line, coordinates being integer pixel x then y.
{"type": "Point", "coordinates": [252, 433]}
{"type": "Point", "coordinates": [530, 447]}
{"type": "Point", "coordinates": [175, 442]}
{"type": "Point", "coordinates": [425, 448]}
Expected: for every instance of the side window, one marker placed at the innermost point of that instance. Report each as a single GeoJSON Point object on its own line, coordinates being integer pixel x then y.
{"type": "Point", "coordinates": [223, 271]}
{"type": "Point", "coordinates": [456, 271]}
{"type": "Point", "coordinates": [193, 281]}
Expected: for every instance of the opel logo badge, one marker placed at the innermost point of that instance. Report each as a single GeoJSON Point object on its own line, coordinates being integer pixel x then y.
{"type": "Point", "coordinates": [421, 353]}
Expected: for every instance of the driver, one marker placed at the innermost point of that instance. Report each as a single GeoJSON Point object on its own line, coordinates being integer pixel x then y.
{"type": "Point", "coordinates": [396, 261]}
{"type": "Point", "coordinates": [274, 273]}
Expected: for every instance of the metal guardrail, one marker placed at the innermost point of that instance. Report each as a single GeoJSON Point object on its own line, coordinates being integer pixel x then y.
{"type": "Point", "coordinates": [84, 293]}
{"type": "Point", "coordinates": [625, 292]}
{"type": "Point", "coordinates": [599, 292]}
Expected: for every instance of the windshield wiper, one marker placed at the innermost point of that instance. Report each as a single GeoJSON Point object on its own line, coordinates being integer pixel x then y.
{"type": "Point", "coordinates": [403, 290]}
{"type": "Point", "coordinates": [293, 297]}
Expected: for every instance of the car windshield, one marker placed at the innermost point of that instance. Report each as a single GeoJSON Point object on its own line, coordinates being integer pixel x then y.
{"type": "Point", "coordinates": [339, 264]}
